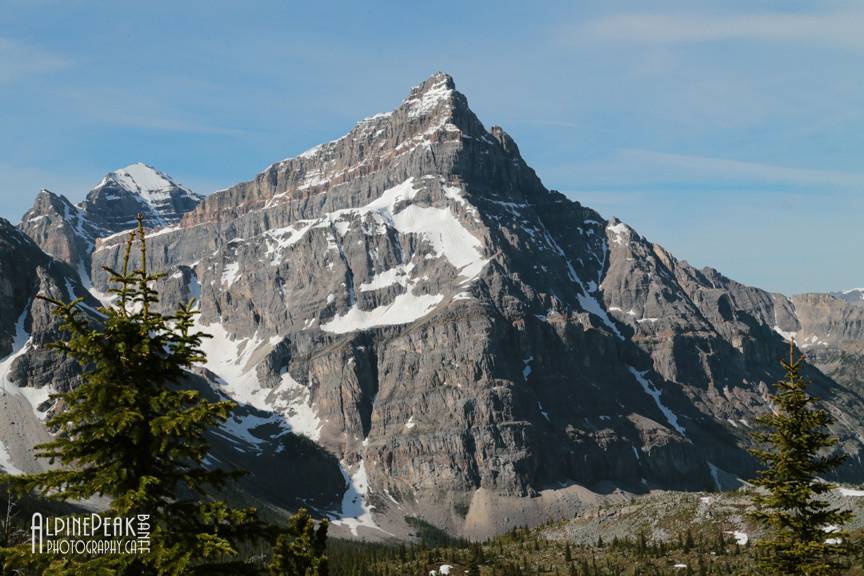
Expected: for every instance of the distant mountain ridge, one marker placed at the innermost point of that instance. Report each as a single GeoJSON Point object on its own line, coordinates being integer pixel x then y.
{"type": "Point", "coordinates": [69, 232]}
{"type": "Point", "coordinates": [471, 347]}
{"type": "Point", "coordinates": [855, 295]}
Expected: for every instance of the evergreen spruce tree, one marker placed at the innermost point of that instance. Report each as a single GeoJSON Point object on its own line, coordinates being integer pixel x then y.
{"type": "Point", "coordinates": [301, 550]}
{"type": "Point", "coordinates": [473, 568]}
{"type": "Point", "coordinates": [131, 432]}
{"type": "Point", "coordinates": [688, 541]}
{"type": "Point", "coordinates": [794, 452]}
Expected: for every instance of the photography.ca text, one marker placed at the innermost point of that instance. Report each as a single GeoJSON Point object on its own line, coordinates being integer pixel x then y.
{"type": "Point", "coordinates": [90, 534]}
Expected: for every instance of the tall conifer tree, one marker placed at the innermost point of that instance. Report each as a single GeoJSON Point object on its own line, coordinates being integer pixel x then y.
{"type": "Point", "coordinates": [301, 549]}
{"type": "Point", "coordinates": [133, 433]}
{"type": "Point", "coordinates": [804, 536]}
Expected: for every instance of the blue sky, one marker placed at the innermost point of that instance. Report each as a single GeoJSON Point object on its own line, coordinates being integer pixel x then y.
{"type": "Point", "coordinates": [730, 132]}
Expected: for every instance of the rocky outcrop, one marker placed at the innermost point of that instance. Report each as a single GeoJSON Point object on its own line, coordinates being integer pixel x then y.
{"type": "Point", "coordinates": [854, 296]}
{"type": "Point", "coordinates": [62, 230]}
{"type": "Point", "coordinates": [26, 322]}
{"type": "Point", "coordinates": [830, 331]}
{"type": "Point", "coordinates": [29, 369]}
{"type": "Point", "coordinates": [825, 320]}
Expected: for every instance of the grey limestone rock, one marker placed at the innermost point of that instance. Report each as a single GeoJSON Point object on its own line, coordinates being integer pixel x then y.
{"type": "Point", "coordinates": [413, 299]}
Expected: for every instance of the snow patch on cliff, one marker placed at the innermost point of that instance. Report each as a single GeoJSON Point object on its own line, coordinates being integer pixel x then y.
{"type": "Point", "coordinates": [21, 343]}
{"type": "Point", "coordinates": [404, 309]}
{"type": "Point", "coordinates": [852, 492]}
{"type": "Point", "coordinates": [232, 360]}
{"type": "Point", "coordinates": [620, 233]}
{"type": "Point", "coordinates": [649, 389]}
{"type": "Point", "coordinates": [355, 512]}
{"type": "Point", "coordinates": [293, 400]}
{"type": "Point", "coordinates": [786, 335]}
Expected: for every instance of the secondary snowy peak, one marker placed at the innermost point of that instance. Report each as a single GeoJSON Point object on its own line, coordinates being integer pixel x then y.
{"type": "Point", "coordinates": [69, 232]}
{"type": "Point", "coordinates": [144, 180]}
{"type": "Point", "coordinates": [123, 193]}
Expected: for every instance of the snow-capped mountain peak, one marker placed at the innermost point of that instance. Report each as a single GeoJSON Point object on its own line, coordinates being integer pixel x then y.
{"type": "Point", "coordinates": [428, 95]}
{"type": "Point", "coordinates": [144, 180]}
{"type": "Point", "coordinates": [139, 187]}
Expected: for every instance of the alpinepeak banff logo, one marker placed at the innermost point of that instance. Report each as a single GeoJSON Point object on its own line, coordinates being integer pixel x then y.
{"type": "Point", "coordinates": [90, 534]}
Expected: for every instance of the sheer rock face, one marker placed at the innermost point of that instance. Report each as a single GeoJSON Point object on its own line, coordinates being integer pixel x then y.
{"type": "Point", "coordinates": [411, 297]}
{"type": "Point", "coordinates": [830, 331]}
{"type": "Point", "coordinates": [825, 320]}
{"type": "Point", "coordinates": [61, 229]}
{"type": "Point", "coordinates": [29, 369]}
{"type": "Point", "coordinates": [26, 322]}
{"type": "Point", "coordinates": [854, 296]}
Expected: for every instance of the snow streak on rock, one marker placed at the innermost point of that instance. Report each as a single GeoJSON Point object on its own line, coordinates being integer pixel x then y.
{"type": "Point", "coordinates": [355, 512]}
{"type": "Point", "coordinates": [649, 389]}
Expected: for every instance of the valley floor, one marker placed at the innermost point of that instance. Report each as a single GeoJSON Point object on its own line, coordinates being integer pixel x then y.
{"type": "Point", "coordinates": [661, 534]}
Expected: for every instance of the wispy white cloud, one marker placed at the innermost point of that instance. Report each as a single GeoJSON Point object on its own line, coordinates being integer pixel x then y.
{"type": "Point", "coordinates": [635, 170]}
{"type": "Point", "coordinates": [18, 59]}
{"type": "Point", "coordinates": [839, 28]}
{"type": "Point", "coordinates": [164, 123]}
{"type": "Point", "coordinates": [128, 107]}
{"type": "Point", "coordinates": [684, 166]}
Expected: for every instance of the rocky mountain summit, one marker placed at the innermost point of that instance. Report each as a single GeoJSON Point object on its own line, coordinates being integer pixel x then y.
{"type": "Point", "coordinates": [69, 232]}
{"type": "Point", "coordinates": [471, 347]}
{"type": "Point", "coordinates": [138, 188]}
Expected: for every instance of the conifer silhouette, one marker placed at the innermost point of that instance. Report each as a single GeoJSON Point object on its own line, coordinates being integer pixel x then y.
{"type": "Point", "coordinates": [132, 432]}
{"type": "Point", "coordinates": [794, 448]}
